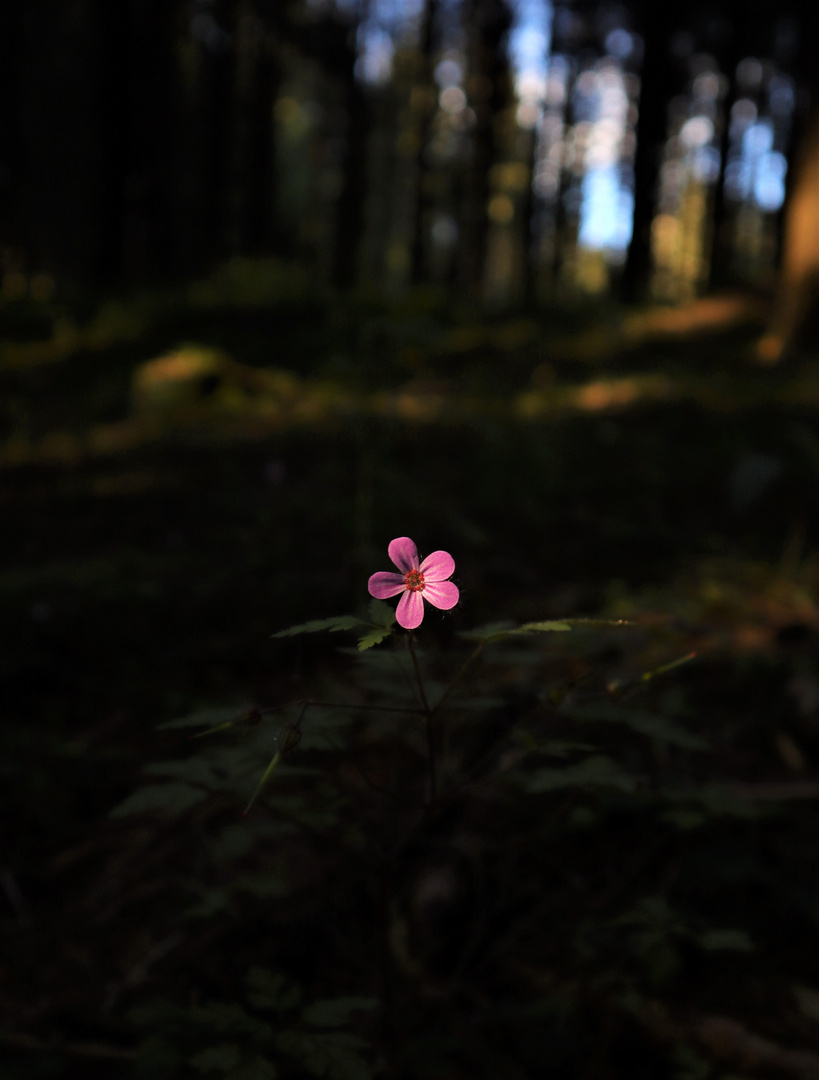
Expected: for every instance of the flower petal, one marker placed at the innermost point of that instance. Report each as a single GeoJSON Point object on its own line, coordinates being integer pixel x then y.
{"type": "Point", "coordinates": [404, 554]}
{"type": "Point", "coordinates": [438, 566]}
{"type": "Point", "coordinates": [441, 594]}
{"type": "Point", "coordinates": [410, 610]}
{"type": "Point", "coordinates": [385, 584]}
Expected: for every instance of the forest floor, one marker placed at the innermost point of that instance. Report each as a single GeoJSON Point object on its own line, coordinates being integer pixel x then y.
{"type": "Point", "coordinates": [182, 475]}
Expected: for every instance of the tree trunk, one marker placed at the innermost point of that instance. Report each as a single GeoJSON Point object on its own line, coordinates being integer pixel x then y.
{"type": "Point", "coordinates": [425, 103]}
{"type": "Point", "coordinates": [794, 323]}
{"type": "Point", "coordinates": [488, 73]}
{"type": "Point", "coordinates": [658, 84]}
{"type": "Point", "coordinates": [349, 212]}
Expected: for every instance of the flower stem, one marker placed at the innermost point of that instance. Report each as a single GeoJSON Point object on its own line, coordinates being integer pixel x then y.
{"type": "Point", "coordinates": [428, 716]}
{"type": "Point", "coordinates": [459, 674]}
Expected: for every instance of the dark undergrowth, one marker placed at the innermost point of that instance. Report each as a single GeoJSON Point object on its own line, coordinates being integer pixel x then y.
{"type": "Point", "coordinates": [618, 874]}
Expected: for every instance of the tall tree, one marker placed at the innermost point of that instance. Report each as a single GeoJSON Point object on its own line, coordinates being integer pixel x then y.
{"type": "Point", "coordinates": [423, 103]}
{"type": "Point", "coordinates": [659, 81]}
{"type": "Point", "coordinates": [152, 77]}
{"type": "Point", "coordinates": [253, 159]}
{"type": "Point", "coordinates": [793, 321]}
{"type": "Point", "coordinates": [487, 23]}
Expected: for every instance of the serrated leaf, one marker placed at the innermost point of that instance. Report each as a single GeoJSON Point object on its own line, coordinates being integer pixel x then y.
{"type": "Point", "coordinates": [340, 622]}
{"type": "Point", "coordinates": [500, 630]}
{"type": "Point", "coordinates": [335, 1012]}
{"type": "Point", "coordinates": [381, 614]}
{"type": "Point", "coordinates": [329, 1054]}
{"type": "Point", "coordinates": [373, 637]}
{"type": "Point", "coordinates": [221, 1058]}
{"type": "Point", "coordinates": [255, 1069]}
{"type": "Point", "coordinates": [597, 622]}
{"type": "Point", "coordinates": [228, 1017]}
{"type": "Point", "coordinates": [270, 884]}
{"type": "Point", "coordinates": [175, 797]}
{"type": "Point", "coordinates": [653, 725]}
{"type": "Point", "coordinates": [594, 772]}
{"type": "Point", "coordinates": [204, 718]}
{"type": "Point", "coordinates": [718, 800]}
{"type": "Point", "coordinates": [271, 990]}
{"type": "Point", "coordinates": [559, 748]}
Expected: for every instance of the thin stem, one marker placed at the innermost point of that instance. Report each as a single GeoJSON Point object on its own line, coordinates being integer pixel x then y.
{"type": "Point", "coordinates": [433, 779]}
{"type": "Point", "coordinates": [466, 664]}
{"type": "Point", "coordinates": [418, 675]}
{"type": "Point", "coordinates": [341, 705]}
{"type": "Point", "coordinates": [433, 776]}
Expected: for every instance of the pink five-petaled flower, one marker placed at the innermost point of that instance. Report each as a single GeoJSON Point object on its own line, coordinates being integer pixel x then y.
{"type": "Point", "coordinates": [417, 583]}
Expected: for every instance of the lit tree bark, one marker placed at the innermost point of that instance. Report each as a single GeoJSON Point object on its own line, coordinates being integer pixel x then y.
{"type": "Point", "coordinates": [793, 321]}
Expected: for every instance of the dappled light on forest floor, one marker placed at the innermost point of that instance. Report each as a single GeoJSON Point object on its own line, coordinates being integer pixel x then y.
{"type": "Point", "coordinates": [709, 313]}
{"type": "Point", "coordinates": [733, 606]}
{"type": "Point", "coordinates": [197, 391]}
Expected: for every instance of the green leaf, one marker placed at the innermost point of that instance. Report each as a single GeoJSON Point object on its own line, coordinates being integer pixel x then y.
{"type": "Point", "coordinates": [594, 772]}
{"type": "Point", "coordinates": [719, 940]}
{"type": "Point", "coordinates": [273, 883]}
{"type": "Point", "coordinates": [541, 627]}
{"type": "Point", "coordinates": [257, 1068]}
{"type": "Point", "coordinates": [717, 800]}
{"type": "Point", "coordinates": [340, 622]}
{"type": "Point", "coordinates": [221, 1058]}
{"type": "Point", "coordinates": [381, 614]}
{"type": "Point", "coordinates": [175, 797]}
{"type": "Point", "coordinates": [335, 1012]}
{"type": "Point", "coordinates": [598, 622]}
{"type": "Point", "coordinates": [332, 1054]}
{"type": "Point", "coordinates": [373, 637]}
{"type": "Point", "coordinates": [274, 764]}
{"type": "Point", "coordinates": [228, 1017]}
{"type": "Point", "coordinates": [559, 748]}
{"type": "Point", "coordinates": [204, 718]}
{"type": "Point", "coordinates": [659, 728]}
{"type": "Point", "coordinates": [500, 630]}
{"type": "Point", "coordinates": [271, 990]}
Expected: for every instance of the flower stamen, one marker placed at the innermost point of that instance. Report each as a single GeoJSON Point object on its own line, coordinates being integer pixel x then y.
{"type": "Point", "coordinates": [414, 581]}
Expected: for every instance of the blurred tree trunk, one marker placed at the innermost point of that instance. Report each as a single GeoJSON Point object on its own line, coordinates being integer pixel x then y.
{"type": "Point", "coordinates": [11, 59]}
{"type": "Point", "coordinates": [204, 135]}
{"type": "Point", "coordinates": [531, 261]}
{"type": "Point", "coordinates": [720, 271]}
{"type": "Point", "coordinates": [423, 102]}
{"type": "Point", "coordinates": [658, 83]}
{"type": "Point", "coordinates": [69, 102]}
{"type": "Point", "coordinates": [488, 92]}
{"type": "Point", "coordinates": [153, 84]}
{"type": "Point", "coordinates": [737, 36]}
{"type": "Point", "coordinates": [350, 206]}
{"type": "Point", "coordinates": [794, 322]}
{"type": "Point", "coordinates": [254, 181]}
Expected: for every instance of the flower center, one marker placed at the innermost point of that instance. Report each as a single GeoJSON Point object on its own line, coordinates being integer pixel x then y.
{"type": "Point", "coordinates": [414, 581]}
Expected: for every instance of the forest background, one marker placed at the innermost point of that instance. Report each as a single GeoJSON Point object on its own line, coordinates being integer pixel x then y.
{"type": "Point", "coordinates": [533, 283]}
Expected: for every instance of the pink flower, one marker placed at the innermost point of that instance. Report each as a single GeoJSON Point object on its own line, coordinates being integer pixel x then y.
{"type": "Point", "coordinates": [417, 583]}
